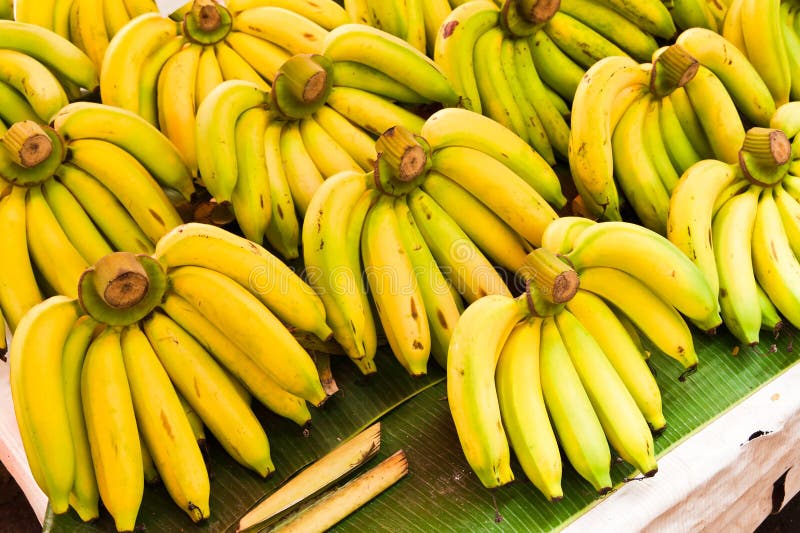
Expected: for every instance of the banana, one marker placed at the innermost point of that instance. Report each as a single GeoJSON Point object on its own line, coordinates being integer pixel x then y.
{"type": "Point", "coordinates": [328, 14]}
{"type": "Point", "coordinates": [112, 430]}
{"type": "Point", "coordinates": [216, 135]}
{"type": "Point", "coordinates": [690, 122]}
{"type": "Point", "coordinates": [679, 147]}
{"type": "Point", "coordinates": [389, 16]}
{"type": "Point", "coordinates": [622, 422]}
{"type": "Point", "coordinates": [265, 57]}
{"type": "Point", "coordinates": [475, 347]}
{"type": "Point", "coordinates": [61, 56]}
{"type": "Point", "coordinates": [129, 181]}
{"type": "Point", "coordinates": [46, 238]}
{"type": "Point", "coordinates": [360, 76]}
{"type": "Point", "coordinates": [612, 25]}
{"type": "Point", "coordinates": [457, 256]}
{"type": "Point", "coordinates": [618, 346]}
{"type": "Point", "coordinates": [534, 130]}
{"type": "Point", "coordinates": [92, 29]}
{"type": "Point", "coordinates": [717, 114]}
{"type": "Point", "coordinates": [732, 67]}
{"type": "Point", "coordinates": [283, 231]}
{"type": "Point", "coordinates": [206, 387]}
{"type": "Point", "coordinates": [125, 55]}
{"type": "Point", "coordinates": [459, 127]}
{"type": "Point", "coordinates": [176, 102]}
{"type": "Point", "coordinates": [441, 307]}
{"type": "Point", "coordinates": [115, 16]}
{"type": "Point", "coordinates": [635, 169]}
{"type": "Point", "coordinates": [655, 143]}
{"type": "Point", "coordinates": [556, 128]}
{"type": "Point", "coordinates": [770, 319]}
{"type": "Point", "coordinates": [661, 324]}
{"type": "Point", "coordinates": [496, 93]}
{"type": "Point", "coordinates": [372, 112]}
{"type": "Point", "coordinates": [335, 273]}
{"type": "Point", "coordinates": [792, 43]}
{"type": "Point", "coordinates": [76, 224]}
{"type": "Point", "coordinates": [394, 287]}
{"type": "Point", "coordinates": [579, 41]}
{"type": "Point", "coordinates": [691, 210]}
{"type": "Point", "coordinates": [255, 380]}
{"type": "Point", "coordinates": [590, 151]}
{"type": "Point", "coordinates": [106, 212]}
{"type": "Point", "coordinates": [164, 427]}
{"type": "Point", "coordinates": [434, 12]}
{"type": "Point", "coordinates": [84, 497]}
{"type": "Point", "coordinates": [125, 129]}
{"type": "Point", "coordinates": [15, 107]}
{"type": "Point", "coordinates": [284, 27]}
{"type": "Point", "coordinates": [235, 67]}
{"type": "Point", "coordinates": [738, 295]}
{"type": "Point", "coordinates": [663, 268]}
{"type": "Point", "coordinates": [37, 84]}
{"type": "Point", "coordinates": [575, 422]}
{"type": "Point", "coordinates": [209, 75]}
{"type": "Point", "coordinates": [776, 267]}
{"type": "Point", "coordinates": [302, 173]}
{"type": "Point", "coordinates": [18, 288]}
{"type": "Point", "coordinates": [148, 77]}
{"type": "Point", "coordinates": [139, 7]}
{"type": "Point", "coordinates": [652, 17]}
{"type": "Point", "coordinates": [37, 388]}
{"type": "Point", "coordinates": [254, 328]}
{"type": "Point", "coordinates": [251, 266]}
{"type": "Point", "coordinates": [358, 144]}
{"type": "Point", "coordinates": [790, 216]}
{"type": "Point", "coordinates": [556, 68]}
{"type": "Point", "coordinates": [763, 32]}
{"type": "Point", "coordinates": [518, 204]}
{"type": "Point", "coordinates": [519, 393]}
{"type": "Point", "coordinates": [328, 154]}
{"type": "Point", "coordinates": [358, 11]}
{"type": "Point", "coordinates": [251, 195]}
{"type": "Point", "coordinates": [502, 244]}
{"type": "Point", "coordinates": [731, 26]}
{"type": "Point", "coordinates": [559, 236]}
{"type": "Point", "coordinates": [392, 56]}
{"type": "Point", "coordinates": [31, 12]}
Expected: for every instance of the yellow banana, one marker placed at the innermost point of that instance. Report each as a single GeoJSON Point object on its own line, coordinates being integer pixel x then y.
{"type": "Point", "coordinates": [372, 112]}
{"type": "Point", "coordinates": [283, 231]}
{"type": "Point", "coordinates": [235, 67]}
{"type": "Point", "coordinates": [91, 25]}
{"type": "Point", "coordinates": [265, 57]}
{"type": "Point", "coordinates": [251, 195]}
{"type": "Point", "coordinates": [284, 27]}
{"type": "Point", "coordinates": [149, 74]}
{"type": "Point", "coordinates": [33, 79]}
{"type": "Point", "coordinates": [326, 13]}
{"type": "Point", "coordinates": [690, 122]}
{"type": "Point", "coordinates": [763, 38]}
{"type": "Point", "coordinates": [353, 139]}
{"type": "Point", "coordinates": [302, 173]}
{"type": "Point", "coordinates": [329, 156]}
{"type": "Point", "coordinates": [559, 237]}
{"type": "Point", "coordinates": [176, 102]}
{"type": "Point", "coordinates": [209, 75]}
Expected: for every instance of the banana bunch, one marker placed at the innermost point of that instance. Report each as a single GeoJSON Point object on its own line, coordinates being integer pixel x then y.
{"type": "Point", "coordinates": [561, 348]}
{"type": "Point", "coordinates": [267, 152]}
{"type": "Point", "coordinates": [764, 32]}
{"type": "Point", "coordinates": [117, 387]}
{"type": "Point", "coordinates": [162, 69]}
{"type": "Point", "coordinates": [91, 183]}
{"type": "Point", "coordinates": [40, 72]}
{"type": "Point", "coordinates": [425, 228]}
{"type": "Point", "coordinates": [749, 209]}
{"type": "Point", "coordinates": [657, 119]}
{"type": "Point", "coordinates": [89, 24]}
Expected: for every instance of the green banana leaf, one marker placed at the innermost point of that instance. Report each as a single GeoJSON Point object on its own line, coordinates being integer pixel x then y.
{"type": "Point", "coordinates": [441, 493]}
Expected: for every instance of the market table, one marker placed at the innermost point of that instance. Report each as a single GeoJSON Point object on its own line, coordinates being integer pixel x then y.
{"type": "Point", "coordinates": [729, 474]}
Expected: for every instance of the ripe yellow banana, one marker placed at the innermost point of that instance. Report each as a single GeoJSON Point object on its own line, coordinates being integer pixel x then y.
{"type": "Point", "coordinates": [329, 156]}
{"type": "Point", "coordinates": [574, 419]}
{"type": "Point", "coordinates": [559, 237]}
{"type": "Point", "coordinates": [763, 38]}
{"type": "Point", "coordinates": [283, 231]}
{"type": "Point", "coordinates": [149, 74]}
{"type": "Point", "coordinates": [176, 102]}
{"type": "Point", "coordinates": [235, 67]}
{"type": "Point", "coordinates": [524, 414]}
{"type": "Point", "coordinates": [690, 122]}
{"type": "Point", "coordinates": [372, 112]}
{"type": "Point", "coordinates": [284, 27]}
{"type": "Point", "coordinates": [111, 426]}
{"type": "Point", "coordinates": [265, 57]}
{"type": "Point", "coordinates": [353, 139]}
{"type": "Point", "coordinates": [253, 328]}
{"type": "Point", "coordinates": [326, 13]}
{"type": "Point", "coordinates": [475, 347]}
{"type": "Point", "coordinates": [251, 195]}
{"type": "Point", "coordinates": [302, 173]}
{"type": "Point", "coordinates": [33, 79]}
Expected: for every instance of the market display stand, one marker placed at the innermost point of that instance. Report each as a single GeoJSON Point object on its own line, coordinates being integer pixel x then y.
{"type": "Point", "coordinates": [728, 476]}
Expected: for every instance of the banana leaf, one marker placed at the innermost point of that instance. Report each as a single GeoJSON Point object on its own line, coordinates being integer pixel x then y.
{"type": "Point", "coordinates": [441, 493]}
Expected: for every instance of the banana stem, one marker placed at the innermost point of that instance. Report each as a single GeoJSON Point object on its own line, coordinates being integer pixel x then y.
{"type": "Point", "coordinates": [538, 11]}
{"type": "Point", "coordinates": [556, 281]}
{"type": "Point", "coordinates": [400, 148]}
{"type": "Point", "coordinates": [27, 143]}
{"type": "Point", "coordinates": [207, 14]}
{"type": "Point", "coordinates": [674, 67]}
{"type": "Point", "coordinates": [305, 78]}
{"type": "Point", "coordinates": [120, 280]}
{"type": "Point", "coordinates": [765, 156]}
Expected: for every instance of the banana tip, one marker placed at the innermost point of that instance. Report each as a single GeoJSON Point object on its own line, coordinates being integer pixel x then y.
{"type": "Point", "coordinates": [688, 372]}
{"type": "Point", "coordinates": [651, 473]}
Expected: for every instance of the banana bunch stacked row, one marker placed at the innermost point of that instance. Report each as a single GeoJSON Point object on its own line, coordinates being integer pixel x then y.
{"type": "Point", "coordinates": [750, 211]}
{"type": "Point", "coordinates": [267, 151]}
{"type": "Point", "coordinates": [520, 62]}
{"type": "Point", "coordinates": [423, 230]}
{"type": "Point", "coordinates": [642, 125]}
{"type": "Point", "coordinates": [115, 388]}
{"type": "Point", "coordinates": [92, 183]}
{"type": "Point", "coordinates": [562, 364]}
